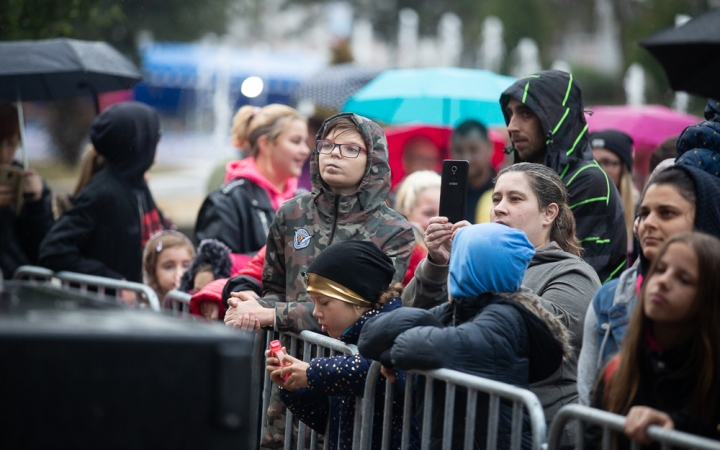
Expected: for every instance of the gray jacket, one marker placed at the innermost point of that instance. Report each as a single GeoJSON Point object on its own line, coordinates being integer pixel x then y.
{"type": "Point", "coordinates": [565, 285]}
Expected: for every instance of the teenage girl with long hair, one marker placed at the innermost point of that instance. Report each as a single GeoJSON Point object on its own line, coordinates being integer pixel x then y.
{"type": "Point", "coordinates": [667, 371]}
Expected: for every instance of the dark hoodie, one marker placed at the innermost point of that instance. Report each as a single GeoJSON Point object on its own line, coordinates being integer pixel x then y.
{"type": "Point", "coordinates": [557, 100]}
{"type": "Point", "coordinates": [308, 223]}
{"type": "Point", "coordinates": [103, 234]}
{"type": "Point", "coordinates": [512, 341]}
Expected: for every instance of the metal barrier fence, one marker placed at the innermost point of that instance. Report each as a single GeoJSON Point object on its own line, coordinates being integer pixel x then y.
{"type": "Point", "coordinates": [90, 283]}
{"type": "Point", "coordinates": [610, 423]}
{"type": "Point", "coordinates": [521, 399]}
{"type": "Point", "coordinates": [178, 302]}
{"type": "Point", "coordinates": [33, 273]}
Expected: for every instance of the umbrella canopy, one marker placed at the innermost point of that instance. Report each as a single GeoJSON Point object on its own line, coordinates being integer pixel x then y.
{"type": "Point", "coordinates": [62, 68]}
{"type": "Point", "coordinates": [399, 136]}
{"type": "Point", "coordinates": [690, 54]}
{"type": "Point", "coordinates": [436, 96]}
{"type": "Point", "coordinates": [331, 87]}
{"type": "Point", "coordinates": [648, 125]}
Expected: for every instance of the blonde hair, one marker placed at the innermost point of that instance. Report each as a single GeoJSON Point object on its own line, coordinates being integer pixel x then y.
{"type": "Point", "coordinates": [408, 194]}
{"type": "Point", "coordinates": [251, 122]}
{"type": "Point", "coordinates": [90, 164]}
{"type": "Point", "coordinates": [628, 196]}
{"type": "Point", "coordinates": [157, 244]}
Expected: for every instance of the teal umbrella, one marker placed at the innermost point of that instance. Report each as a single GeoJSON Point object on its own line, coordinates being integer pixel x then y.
{"type": "Point", "coordinates": [436, 96]}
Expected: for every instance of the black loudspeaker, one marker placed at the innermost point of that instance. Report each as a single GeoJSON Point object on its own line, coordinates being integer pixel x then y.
{"type": "Point", "coordinates": [81, 373]}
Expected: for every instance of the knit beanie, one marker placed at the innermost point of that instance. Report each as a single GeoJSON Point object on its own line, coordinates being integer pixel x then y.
{"type": "Point", "coordinates": [488, 257]}
{"type": "Point", "coordinates": [355, 272]}
{"type": "Point", "coordinates": [617, 142]}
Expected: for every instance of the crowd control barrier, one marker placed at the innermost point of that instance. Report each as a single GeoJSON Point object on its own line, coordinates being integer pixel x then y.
{"type": "Point", "coordinates": [522, 400]}
{"type": "Point", "coordinates": [89, 284]}
{"type": "Point", "coordinates": [178, 302]}
{"type": "Point", "coordinates": [33, 273]}
{"type": "Point", "coordinates": [613, 423]}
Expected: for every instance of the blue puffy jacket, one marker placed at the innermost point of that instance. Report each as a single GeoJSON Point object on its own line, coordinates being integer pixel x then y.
{"type": "Point", "coordinates": [514, 341]}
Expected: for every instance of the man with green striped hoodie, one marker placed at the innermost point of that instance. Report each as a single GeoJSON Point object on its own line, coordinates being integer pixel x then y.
{"type": "Point", "coordinates": [546, 123]}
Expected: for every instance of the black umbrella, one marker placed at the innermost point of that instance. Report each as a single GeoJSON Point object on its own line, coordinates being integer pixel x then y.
{"type": "Point", "coordinates": [690, 54]}
{"type": "Point", "coordinates": [61, 68]}
{"type": "Point", "coordinates": [331, 87]}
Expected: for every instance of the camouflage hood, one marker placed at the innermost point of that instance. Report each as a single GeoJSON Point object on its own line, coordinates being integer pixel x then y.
{"type": "Point", "coordinates": [375, 185]}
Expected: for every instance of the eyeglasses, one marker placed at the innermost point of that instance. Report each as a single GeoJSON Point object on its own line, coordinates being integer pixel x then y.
{"type": "Point", "coordinates": [346, 150]}
{"type": "Point", "coordinates": [608, 163]}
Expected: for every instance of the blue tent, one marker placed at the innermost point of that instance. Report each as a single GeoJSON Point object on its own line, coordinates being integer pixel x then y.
{"type": "Point", "coordinates": [175, 73]}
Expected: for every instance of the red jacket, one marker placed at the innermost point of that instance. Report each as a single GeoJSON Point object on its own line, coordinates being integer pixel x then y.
{"type": "Point", "coordinates": [212, 292]}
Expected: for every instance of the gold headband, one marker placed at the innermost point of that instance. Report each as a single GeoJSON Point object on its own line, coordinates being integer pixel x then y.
{"type": "Point", "coordinates": [321, 285]}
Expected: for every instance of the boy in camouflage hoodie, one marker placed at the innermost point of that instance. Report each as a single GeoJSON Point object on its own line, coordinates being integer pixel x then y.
{"type": "Point", "coordinates": [347, 202]}
{"type": "Point", "coordinates": [350, 183]}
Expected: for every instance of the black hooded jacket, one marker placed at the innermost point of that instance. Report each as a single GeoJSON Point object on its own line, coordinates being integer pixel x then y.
{"type": "Point", "coordinates": [594, 200]}
{"type": "Point", "coordinates": [102, 233]}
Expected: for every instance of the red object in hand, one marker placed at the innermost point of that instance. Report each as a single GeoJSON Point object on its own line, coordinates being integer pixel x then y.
{"type": "Point", "coordinates": [277, 351]}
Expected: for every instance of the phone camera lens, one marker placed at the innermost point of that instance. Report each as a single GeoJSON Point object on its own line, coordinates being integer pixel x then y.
{"type": "Point", "coordinates": [454, 169]}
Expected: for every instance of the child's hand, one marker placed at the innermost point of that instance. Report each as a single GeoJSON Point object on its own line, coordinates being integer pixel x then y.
{"type": "Point", "coordinates": [210, 310]}
{"type": "Point", "coordinates": [639, 418]}
{"type": "Point", "coordinates": [388, 373]}
{"type": "Point", "coordinates": [237, 309]}
{"type": "Point", "coordinates": [244, 296]}
{"type": "Point", "coordinates": [298, 373]}
{"type": "Point", "coordinates": [247, 322]}
{"type": "Point", "coordinates": [273, 367]}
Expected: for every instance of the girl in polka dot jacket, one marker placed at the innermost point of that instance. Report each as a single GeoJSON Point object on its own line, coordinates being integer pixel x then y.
{"type": "Point", "coordinates": [349, 282]}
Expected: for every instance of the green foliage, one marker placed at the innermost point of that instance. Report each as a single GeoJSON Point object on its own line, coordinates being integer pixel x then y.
{"type": "Point", "coordinates": [598, 88]}
{"type": "Point", "coordinates": [115, 21]}
{"type": "Point", "coordinates": [43, 19]}
{"type": "Point", "coordinates": [641, 20]}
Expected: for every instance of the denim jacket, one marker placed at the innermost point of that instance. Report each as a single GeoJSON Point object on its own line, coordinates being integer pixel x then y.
{"type": "Point", "coordinates": [605, 328]}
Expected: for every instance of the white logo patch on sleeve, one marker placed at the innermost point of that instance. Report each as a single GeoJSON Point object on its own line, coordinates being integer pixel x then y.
{"type": "Point", "coordinates": [302, 239]}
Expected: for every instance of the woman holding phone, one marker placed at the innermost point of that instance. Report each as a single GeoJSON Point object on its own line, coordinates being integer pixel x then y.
{"type": "Point", "coordinates": [531, 198]}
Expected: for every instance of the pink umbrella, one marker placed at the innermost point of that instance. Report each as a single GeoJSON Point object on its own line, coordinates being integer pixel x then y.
{"type": "Point", "coordinates": [648, 125]}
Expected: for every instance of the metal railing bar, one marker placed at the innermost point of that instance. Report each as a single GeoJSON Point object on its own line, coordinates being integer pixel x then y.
{"type": "Point", "coordinates": [493, 421]}
{"type": "Point", "coordinates": [470, 413]}
{"type": "Point", "coordinates": [516, 429]}
{"type": "Point", "coordinates": [616, 423]}
{"type": "Point", "coordinates": [427, 414]}
{"type": "Point", "coordinates": [407, 413]}
{"type": "Point", "coordinates": [387, 414]}
{"type": "Point", "coordinates": [448, 416]}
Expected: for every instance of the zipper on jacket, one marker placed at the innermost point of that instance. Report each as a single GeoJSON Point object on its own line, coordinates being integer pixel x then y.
{"type": "Point", "coordinates": [263, 219]}
{"type": "Point", "coordinates": [335, 219]}
{"type": "Point", "coordinates": [140, 212]}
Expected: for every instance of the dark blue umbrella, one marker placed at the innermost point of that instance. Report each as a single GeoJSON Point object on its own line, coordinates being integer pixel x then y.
{"type": "Point", "coordinates": [61, 68]}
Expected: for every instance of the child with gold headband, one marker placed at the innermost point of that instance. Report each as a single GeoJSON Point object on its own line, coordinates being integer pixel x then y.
{"type": "Point", "coordinates": [349, 282]}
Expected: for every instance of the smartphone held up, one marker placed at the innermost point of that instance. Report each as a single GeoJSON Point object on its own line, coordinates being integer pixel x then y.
{"type": "Point", "coordinates": [453, 189]}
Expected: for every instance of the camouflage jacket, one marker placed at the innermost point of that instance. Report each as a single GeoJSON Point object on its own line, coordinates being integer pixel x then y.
{"type": "Point", "coordinates": [306, 224]}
